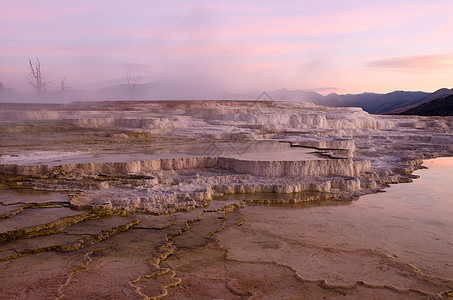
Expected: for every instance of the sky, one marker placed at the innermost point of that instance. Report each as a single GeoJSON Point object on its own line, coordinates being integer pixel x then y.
{"type": "Point", "coordinates": [346, 46]}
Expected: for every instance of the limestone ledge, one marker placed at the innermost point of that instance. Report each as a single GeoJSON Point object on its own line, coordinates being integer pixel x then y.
{"type": "Point", "coordinates": [168, 185]}
{"type": "Point", "coordinates": [322, 167]}
{"type": "Point", "coordinates": [317, 117]}
{"type": "Point", "coordinates": [160, 198]}
{"type": "Point", "coordinates": [281, 116]}
{"type": "Point", "coordinates": [141, 200]}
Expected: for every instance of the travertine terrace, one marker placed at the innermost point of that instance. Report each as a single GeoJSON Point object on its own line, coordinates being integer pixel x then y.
{"type": "Point", "coordinates": [198, 200]}
{"type": "Point", "coordinates": [161, 157]}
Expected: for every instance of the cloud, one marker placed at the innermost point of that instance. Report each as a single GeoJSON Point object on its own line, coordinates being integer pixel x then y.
{"type": "Point", "coordinates": [426, 62]}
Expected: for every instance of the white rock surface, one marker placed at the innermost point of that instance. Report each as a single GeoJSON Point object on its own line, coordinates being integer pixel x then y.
{"type": "Point", "coordinates": [161, 157]}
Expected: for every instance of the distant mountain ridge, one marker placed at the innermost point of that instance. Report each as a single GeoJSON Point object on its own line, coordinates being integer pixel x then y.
{"type": "Point", "coordinates": [374, 103]}
{"type": "Point", "coordinates": [390, 103]}
{"type": "Point", "coordinates": [438, 107]}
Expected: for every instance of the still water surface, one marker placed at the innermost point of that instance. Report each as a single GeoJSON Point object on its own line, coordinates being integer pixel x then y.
{"type": "Point", "coordinates": [412, 222]}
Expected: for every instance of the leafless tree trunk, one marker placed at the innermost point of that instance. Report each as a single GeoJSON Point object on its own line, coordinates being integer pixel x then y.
{"type": "Point", "coordinates": [37, 80]}
{"type": "Point", "coordinates": [63, 86]}
{"type": "Point", "coordinates": [132, 83]}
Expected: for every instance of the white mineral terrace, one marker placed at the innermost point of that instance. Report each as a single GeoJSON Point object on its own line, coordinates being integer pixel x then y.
{"type": "Point", "coordinates": [161, 157]}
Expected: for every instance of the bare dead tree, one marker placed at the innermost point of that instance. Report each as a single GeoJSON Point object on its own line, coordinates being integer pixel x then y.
{"type": "Point", "coordinates": [37, 80]}
{"type": "Point", "coordinates": [132, 83]}
{"type": "Point", "coordinates": [63, 86]}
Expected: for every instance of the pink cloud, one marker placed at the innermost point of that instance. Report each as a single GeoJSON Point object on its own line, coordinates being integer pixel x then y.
{"type": "Point", "coordinates": [414, 62]}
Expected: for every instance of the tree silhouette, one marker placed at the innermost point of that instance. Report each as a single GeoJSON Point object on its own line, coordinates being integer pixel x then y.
{"type": "Point", "coordinates": [63, 85]}
{"type": "Point", "coordinates": [132, 83]}
{"type": "Point", "coordinates": [36, 79]}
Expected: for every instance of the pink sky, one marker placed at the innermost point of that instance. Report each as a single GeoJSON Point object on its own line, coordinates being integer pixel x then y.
{"type": "Point", "coordinates": [352, 46]}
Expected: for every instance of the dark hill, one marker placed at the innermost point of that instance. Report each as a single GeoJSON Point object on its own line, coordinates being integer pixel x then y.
{"type": "Point", "coordinates": [439, 107]}
{"type": "Point", "coordinates": [370, 102]}
{"type": "Point", "coordinates": [434, 96]}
